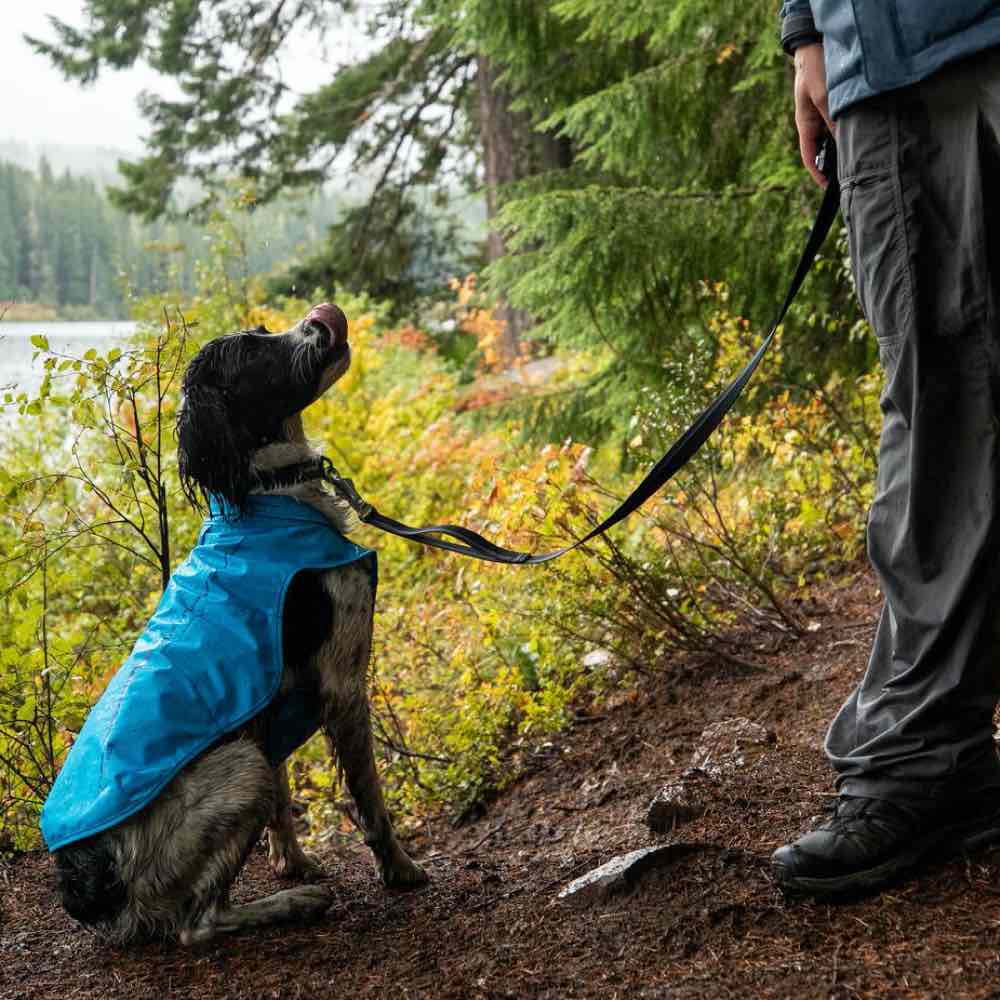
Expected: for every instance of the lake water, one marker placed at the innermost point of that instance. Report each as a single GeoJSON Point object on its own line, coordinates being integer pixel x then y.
{"type": "Point", "coordinates": [64, 338]}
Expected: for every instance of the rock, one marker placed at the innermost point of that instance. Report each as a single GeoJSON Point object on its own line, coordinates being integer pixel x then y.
{"type": "Point", "coordinates": [821, 671]}
{"type": "Point", "coordinates": [598, 790]}
{"type": "Point", "coordinates": [671, 806]}
{"type": "Point", "coordinates": [731, 745]}
{"type": "Point", "coordinates": [621, 873]}
{"type": "Point", "coordinates": [597, 658]}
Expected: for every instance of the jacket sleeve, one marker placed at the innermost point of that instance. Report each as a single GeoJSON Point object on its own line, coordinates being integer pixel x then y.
{"type": "Point", "coordinates": [797, 25]}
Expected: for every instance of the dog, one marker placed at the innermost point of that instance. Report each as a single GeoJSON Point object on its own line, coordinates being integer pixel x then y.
{"type": "Point", "coordinates": [149, 848]}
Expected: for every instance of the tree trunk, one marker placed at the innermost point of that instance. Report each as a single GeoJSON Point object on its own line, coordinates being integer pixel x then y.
{"type": "Point", "coordinates": [512, 150]}
{"type": "Point", "coordinates": [93, 277]}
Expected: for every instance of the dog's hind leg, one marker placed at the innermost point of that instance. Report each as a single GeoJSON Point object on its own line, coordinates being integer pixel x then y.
{"type": "Point", "coordinates": [299, 905]}
{"type": "Point", "coordinates": [284, 852]}
{"type": "Point", "coordinates": [179, 857]}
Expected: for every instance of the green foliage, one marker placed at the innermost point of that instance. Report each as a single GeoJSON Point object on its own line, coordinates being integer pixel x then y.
{"type": "Point", "coordinates": [775, 501]}
{"type": "Point", "coordinates": [683, 167]}
{"type": "Point", "coordinates": [679, 172]}
{"type": "Point", "coordinates": [474, 663]}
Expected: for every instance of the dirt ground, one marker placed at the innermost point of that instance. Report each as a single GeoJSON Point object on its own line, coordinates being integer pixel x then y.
{"type": "Point", "coordinates": [711, 924]}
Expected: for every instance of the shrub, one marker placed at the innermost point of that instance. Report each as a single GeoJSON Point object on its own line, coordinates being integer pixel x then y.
{"type": "Point", "coordinates": [474, 664]}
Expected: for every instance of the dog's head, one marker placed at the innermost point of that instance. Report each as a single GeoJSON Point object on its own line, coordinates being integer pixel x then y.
{"type": "Point", "coordinates": [241, 392]}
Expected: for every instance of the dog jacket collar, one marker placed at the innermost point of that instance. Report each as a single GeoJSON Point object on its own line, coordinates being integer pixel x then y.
{"type": "Point", "coordinates": [209, 660]}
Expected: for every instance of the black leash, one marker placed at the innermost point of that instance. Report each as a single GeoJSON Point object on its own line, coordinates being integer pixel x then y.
{"type": "Point", "coordinates": [471, 543]}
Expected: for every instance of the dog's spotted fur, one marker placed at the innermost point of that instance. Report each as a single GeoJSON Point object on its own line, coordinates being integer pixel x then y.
{"type": "Point", "coordinates": [167, 871]}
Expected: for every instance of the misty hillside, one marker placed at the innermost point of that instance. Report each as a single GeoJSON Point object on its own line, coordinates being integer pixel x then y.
{"type": "Point", "coordinates": [64, 245]}
{"type": "Point", "coordinates": [97, 163]}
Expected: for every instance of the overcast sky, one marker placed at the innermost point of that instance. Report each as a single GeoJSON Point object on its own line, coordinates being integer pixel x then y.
{"type": "Point", "coordinates": [39, 106]}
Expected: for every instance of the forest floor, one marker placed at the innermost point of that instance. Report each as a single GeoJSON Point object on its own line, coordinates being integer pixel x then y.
{"type": "Point", "coordinates": [710, 923]}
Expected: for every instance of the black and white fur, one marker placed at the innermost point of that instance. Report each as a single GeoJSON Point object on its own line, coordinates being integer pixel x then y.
{"type": "Point", "coordinates": [167, 871]}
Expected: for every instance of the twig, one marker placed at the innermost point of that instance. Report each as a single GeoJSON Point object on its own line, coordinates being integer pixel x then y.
{"type": "Point", "coordinates": [406, 752]}
{"type": "Point", "coordinates": [486, 836]}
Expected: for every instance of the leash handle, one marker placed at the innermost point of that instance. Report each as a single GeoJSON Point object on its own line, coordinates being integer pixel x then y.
{"type": "Point", "coordinates": [471, 543]}
{"type": "Point", "coordinates": [826, 158]}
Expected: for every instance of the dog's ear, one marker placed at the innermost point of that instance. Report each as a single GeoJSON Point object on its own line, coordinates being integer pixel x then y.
{"type": "Point", "coordinates": [213, 453]}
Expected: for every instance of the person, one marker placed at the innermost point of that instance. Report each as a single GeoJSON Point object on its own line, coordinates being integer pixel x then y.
{"type": "Point", "coordinates": [911, 94]}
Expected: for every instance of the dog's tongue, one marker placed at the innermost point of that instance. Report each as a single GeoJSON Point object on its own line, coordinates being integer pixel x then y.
{"type": "Point", "coordinates": [332, 318]}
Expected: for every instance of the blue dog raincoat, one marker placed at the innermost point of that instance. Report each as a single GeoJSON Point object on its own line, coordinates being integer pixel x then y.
{"type": "Point", "coordinates": [209, 660]}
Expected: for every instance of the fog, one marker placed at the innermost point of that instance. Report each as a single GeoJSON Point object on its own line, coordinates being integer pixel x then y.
{"type": "Point", "coordinates": [41, 108]}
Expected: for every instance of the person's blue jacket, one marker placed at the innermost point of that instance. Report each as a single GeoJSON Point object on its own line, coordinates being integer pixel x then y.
{"type": "Point", "coordinates": [872, 46]}
{"type": "Point", "coordinates": [209, 660]}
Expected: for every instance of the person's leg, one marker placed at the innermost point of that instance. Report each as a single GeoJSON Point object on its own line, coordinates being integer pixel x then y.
{"type": "Point", "coordinates": [916, 196]}
{"type": "Point", "coordinates": [914, 742]}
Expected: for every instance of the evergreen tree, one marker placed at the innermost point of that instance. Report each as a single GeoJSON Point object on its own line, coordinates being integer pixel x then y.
{"type": "Point", "coordinates": [400, 109]}
{"type": "Point", "coordinates": [8, 238]}
{"type": "Point", "coordinates": [682, 167]}
{"type": "Point", "coordinates": [635, 154]}
{"type": "Point", "coordinates": [63, 244]}
{"type": "Point", "coordinates": [19, 199]}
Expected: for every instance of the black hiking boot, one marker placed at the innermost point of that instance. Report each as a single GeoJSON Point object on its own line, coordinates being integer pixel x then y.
{"type": "Point", "coordinates": [866, 843]}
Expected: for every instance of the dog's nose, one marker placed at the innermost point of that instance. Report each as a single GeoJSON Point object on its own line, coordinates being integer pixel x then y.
{"type": "Point", "coordinates": [327, 317]}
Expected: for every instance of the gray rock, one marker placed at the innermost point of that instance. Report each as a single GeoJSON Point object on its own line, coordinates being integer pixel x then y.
{"type": "Point", "coordinates": [621, 873]}
{"type": "Point", "coordinates": [671, 806]}
{"type": "Point", "coordinates": [731, 745]}
{"type": "Point", "coordinates": [602, 788]}
{"type": "Point", "coordinates": [597, 658]}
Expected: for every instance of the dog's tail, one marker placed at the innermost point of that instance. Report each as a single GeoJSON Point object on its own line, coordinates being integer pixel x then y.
{"type": "Point", "coordinates": [88, 881]}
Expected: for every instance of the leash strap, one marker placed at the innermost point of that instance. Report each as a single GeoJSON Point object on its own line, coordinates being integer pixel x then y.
{"type": "Point", "coordinates": [471, 543]}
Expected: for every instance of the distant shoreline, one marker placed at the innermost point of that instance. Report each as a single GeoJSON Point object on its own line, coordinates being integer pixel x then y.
{"type": "Point", "coordinates": [27, 312]}
{"type": "Point", "coordinates": [36, 312]}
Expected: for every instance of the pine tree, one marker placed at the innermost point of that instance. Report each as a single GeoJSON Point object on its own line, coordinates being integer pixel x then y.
{"type": "Point", "coordinates": [635, 154]}
{"type": "Point", "coordinates": [398, 112]}
{"type": "Point", "coordinates": [8, 239]}
{"type": "Point", "coordinates": [682, 169]}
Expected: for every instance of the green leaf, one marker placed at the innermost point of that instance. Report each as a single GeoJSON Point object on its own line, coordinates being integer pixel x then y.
{"type": "Point", "coordinates": [39, 341]}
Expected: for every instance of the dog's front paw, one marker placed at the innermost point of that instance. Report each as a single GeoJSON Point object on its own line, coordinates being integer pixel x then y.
{"type": "Point", "coordinates": [295, 864]}
{"type": "Point", "coordinates": [399, 872]}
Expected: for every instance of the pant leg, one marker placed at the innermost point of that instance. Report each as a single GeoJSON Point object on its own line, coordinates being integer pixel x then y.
{"type": "Point", "coordinates": [919, 170]}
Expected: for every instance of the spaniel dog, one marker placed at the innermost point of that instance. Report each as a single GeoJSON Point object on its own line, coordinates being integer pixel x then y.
{"type": "Point", "coordinates": [180, 765]}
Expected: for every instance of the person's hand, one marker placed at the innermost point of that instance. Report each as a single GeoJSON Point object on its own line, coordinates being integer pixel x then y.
{"type": "Point", "coordinates": [812, 115]}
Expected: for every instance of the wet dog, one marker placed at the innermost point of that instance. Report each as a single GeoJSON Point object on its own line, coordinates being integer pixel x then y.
{"type": "Point", "coordinates": [166, 869]}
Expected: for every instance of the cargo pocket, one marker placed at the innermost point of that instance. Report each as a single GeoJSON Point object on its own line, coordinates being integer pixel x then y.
{"type": "Point", "coordinates": [880, 258]}
{"type": "Point", "coordinates": [880, 261]}
{"type": "Point", "coordinates": [897, 381]}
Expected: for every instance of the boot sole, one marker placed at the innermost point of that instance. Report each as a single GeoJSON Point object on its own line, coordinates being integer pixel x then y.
{"type": "Point", "coordinates": [950, 840]}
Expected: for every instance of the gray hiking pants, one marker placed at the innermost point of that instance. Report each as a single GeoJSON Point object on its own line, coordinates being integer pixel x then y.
{"type": "Point", "coordinates": [920, 170]}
